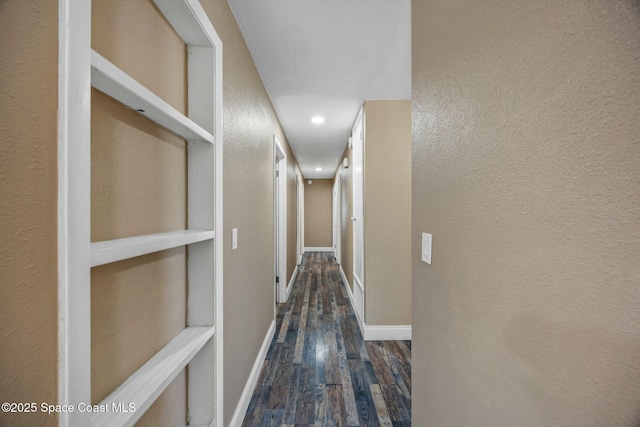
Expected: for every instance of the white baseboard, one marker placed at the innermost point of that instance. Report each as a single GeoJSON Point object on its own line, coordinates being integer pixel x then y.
{"type": "Point", "coordinates": [346, 283]}
{"type": "Point", "coordinates": [387, 332]}
{"type": "Point", "coordinates": [351, 301]}
{"type": "Point", "coordinates": [290, 285]}
{"type": "Point", "coordinates": [377, 332]}
{"type": "Point", "coordinates": [245, 398]}
{"type": "Point", "coordinates": [318, 249]}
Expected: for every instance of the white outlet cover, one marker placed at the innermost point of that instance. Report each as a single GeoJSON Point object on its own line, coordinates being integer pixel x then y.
{"type": "Point", "coordinates": [234, 239]}
{"type": "Point", "coordinates": [426, 247]}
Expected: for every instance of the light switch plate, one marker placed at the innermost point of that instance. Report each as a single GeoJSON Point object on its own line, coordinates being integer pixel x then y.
{"type": "Point", "coordinates": [234, 239]}
{"type": "Point", "coordinates": [426, 248]}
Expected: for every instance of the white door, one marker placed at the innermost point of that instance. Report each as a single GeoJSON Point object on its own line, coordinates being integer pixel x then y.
{"type": "Point", "coordinates": [298, 195]}
{"type": "Point", "coordinates": [276, 233]}
{"type": "Point", "coordinates": [358, 216]}
{"type": "Point", "coordinates": [300, 221]}
{"type": "Point", "coordinates": [336, 220]}
{"type": "Point", "coordinates": [280, 221]}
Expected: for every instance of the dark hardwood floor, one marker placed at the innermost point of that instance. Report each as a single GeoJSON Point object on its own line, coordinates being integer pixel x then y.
{"type": "Point", "coordinates": [319, 371]}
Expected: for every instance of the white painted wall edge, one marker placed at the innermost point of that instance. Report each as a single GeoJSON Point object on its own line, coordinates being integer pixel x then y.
{"type": "Point", "coordinates": [290, 285]}
{"type": "Point", "coordinates": [245, 398]}
{"type": "Point", "coordinates": [377, 332]}
{"type": "Point", "coordinates": [318, 249]}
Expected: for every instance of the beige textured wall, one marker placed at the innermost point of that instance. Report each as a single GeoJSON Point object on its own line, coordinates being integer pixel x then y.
{"type": "Point", "coordinates": [526, 169]}
{"type": "Point", "coordinates": [249, 125]}
{"type": "Point", "coordinates": [387, 210]}
{"type": "Point", "coordinates": [318, 213]}
{"type": "Point", "coordinates": [138, 181]}
{"type": "Point", "coordinates": [346, 212]}
{"type": "Point", "coordinates": [28, 222]}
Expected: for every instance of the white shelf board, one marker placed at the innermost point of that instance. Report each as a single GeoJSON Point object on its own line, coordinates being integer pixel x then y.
{"type": "Point", "coordinates": [189, 20]}
{"type": "Point", "coordinates": [111, 80]}
{"type": "Point", "coordinates": [148, 382]}
{"type": "Point", "coordinates": [109, 251]}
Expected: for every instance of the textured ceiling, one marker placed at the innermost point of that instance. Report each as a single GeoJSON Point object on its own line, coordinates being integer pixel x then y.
{"type": "Point", "coordinates": [325, 57]}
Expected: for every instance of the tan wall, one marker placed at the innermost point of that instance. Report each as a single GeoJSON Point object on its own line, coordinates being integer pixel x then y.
{"type": "Point", "coordinates": [249, 125]}
{"type": "Point", "coordinates": [28, 222]}
{"type": "Point", "coordinates": [387, 204]}
{"type": "Point", "coordinates": [318, 213]}
{"type": "Point", "coordinates": [346, 212]}
{"type": "Point", "coordinates": [526, 170]}
{"type": "Point", "coordinates": [387, 212]}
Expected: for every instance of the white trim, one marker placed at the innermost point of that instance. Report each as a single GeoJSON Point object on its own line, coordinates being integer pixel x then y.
{"type": "Point", "coordinates": [298, 231]}
{"type": "Point", "coordinates": [358, 284]}
{"type": "Point", "coordinates": [387, 332]}
{"type": "Point", "coordinates": [337, 217]}
{"type": "Point", "coordinates": [318, 249]}
{"type": "Point", "coordinates": [359, 117]}
{"type": "Point", "coordinates": [74, 176]}
{"type": "Point", "coordinates": [245, 398]}
{"type": "Point", "coordinates": [219, 241]}
{"type": "Point", "coordinates": [377, 332]}
{"type": "Point", "coordinates": [290, 285]}
{"type": "Point", "coordinates": [300, 215]}
{"type": "Point", "coordinates": [302, 224]}
{"type": "Point", "coordinates": [281, 241]}
{"type": "Point", "coordinates": [346, 282]}
{"type": "Point", "coordinates": [359, 300]}
{"type": "Point", "coordinates": [358, 218]}
{"type": "Point", "coordinates": [351, 300]}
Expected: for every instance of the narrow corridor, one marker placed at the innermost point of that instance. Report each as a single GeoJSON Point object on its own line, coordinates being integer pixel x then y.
{"type": "Point", "coordinates": [319, 371]}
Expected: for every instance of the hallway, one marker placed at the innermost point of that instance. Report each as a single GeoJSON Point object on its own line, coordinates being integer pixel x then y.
{"type": "Point", "coordinates": [319, 371]}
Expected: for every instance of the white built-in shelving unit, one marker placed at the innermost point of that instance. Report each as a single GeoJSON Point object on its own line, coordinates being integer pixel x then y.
{"type": "Point", "coordinates": [199, 345]}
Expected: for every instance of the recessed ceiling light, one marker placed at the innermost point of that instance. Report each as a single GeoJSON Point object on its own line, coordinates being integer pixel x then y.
{"type": "Point", "coordinates": [318, 169]}
{"type": "Point", "coordinates": [317, 120]}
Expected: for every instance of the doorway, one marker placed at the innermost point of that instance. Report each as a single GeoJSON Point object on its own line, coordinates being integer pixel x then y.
{"type": "Point", "coordinates": [300, 219]}
{"type": "Point", "coordinates": [280, 222]}
{"type": "Point", "coordinates": [358, 217]}
{"type": "Point", "coordinates": [337, 208]}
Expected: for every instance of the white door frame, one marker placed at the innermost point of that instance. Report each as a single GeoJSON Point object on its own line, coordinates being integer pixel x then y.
{"type": "Point", "coordinates": [337, 210]}
{"type": "Point", "coordinates": [358, 217]}
{"type": "Point", "coordinates": [280, 228]}
{"type": "Point", "coordinates": [300, 212]}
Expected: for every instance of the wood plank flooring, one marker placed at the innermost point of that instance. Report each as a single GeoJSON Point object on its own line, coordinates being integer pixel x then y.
{"type": "Point", "coordinates": [319, 371]}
